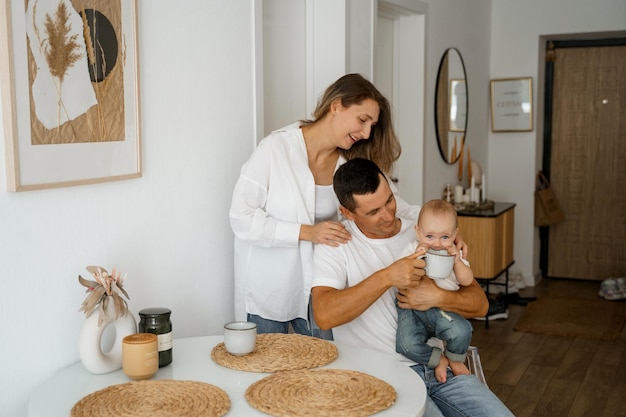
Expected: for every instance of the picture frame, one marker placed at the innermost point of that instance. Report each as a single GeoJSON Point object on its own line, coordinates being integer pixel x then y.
{"type": "Point", "coordinates": [511, 105]}
{"type": "Point", "coordinates": [458, 105]}
{"type": "Point", "coordinates": [70, 117]}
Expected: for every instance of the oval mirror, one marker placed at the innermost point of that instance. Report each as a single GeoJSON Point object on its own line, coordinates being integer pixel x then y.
{"type": "Point", "coordinates": [451, 105]}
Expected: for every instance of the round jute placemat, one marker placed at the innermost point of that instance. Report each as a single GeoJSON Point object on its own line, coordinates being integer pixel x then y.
{"type": "Point", "coordinates": [320, 392]}
{"type": "Point", "coordinates": [155, 398]}
{"type": "Point", "coordinates": [279, 352]}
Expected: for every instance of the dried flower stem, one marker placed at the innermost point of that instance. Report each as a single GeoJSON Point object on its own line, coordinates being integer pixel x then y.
{"type": "Point", "coordinates": [58, 50]}
{"type": "Point", "coordinates": [105, 289]}
{"type": "Point", "coordinates": [61, 48]}
{"type": "Point", "coordinates": [99, 87]}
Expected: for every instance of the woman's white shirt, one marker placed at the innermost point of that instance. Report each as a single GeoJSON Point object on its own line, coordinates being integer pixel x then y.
{"type": "Point", "coordinates": [274, 195]}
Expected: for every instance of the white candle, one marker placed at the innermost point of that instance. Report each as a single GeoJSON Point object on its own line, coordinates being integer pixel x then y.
{"type": "Point", "coordinates": [473, 190]}
{"type": "Point", "coordinates": [483, 184]}
{"type": "Point", "coordinates": [458, 194]}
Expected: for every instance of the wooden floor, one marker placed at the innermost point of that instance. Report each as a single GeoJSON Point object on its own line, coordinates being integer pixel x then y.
{"type": "Point", "coordinates": [539, 375]}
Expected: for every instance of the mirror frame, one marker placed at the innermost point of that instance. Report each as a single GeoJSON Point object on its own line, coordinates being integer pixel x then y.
{"type": "Point", "coordinates": [442, 106]}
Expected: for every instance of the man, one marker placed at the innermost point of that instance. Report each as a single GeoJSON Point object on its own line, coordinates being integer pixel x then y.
{"type": "Point", "coordinates": [355, 286]}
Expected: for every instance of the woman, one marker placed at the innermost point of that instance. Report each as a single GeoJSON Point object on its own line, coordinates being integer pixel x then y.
{"type": "Point", "coordinates": [283, 202]}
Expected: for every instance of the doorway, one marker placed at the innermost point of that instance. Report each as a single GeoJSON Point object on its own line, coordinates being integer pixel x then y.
{"type": "Point", "coordinates": [585, 158]}
{"type": "Point", "coordinates": [399, 73]}
{"type": "Point", "coordinates": [388, 47]}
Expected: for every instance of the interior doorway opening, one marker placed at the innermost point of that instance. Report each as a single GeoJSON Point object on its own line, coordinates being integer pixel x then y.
{"type": "Point", "coordinates": [399, 73]}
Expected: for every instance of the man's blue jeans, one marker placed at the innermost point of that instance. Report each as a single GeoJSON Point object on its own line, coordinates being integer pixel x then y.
{"type": "Point", "coordinates": [459, 396]}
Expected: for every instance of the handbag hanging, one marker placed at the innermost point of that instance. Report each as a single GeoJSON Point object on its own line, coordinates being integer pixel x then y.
{"type": "Point", "coordinates": [547, 208]}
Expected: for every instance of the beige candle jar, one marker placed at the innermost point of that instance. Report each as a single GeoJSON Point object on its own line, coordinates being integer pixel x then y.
{"type": "Point", "coordinates": [140, 355]}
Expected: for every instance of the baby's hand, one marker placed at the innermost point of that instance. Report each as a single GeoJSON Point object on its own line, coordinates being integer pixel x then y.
{"type": "Point", "coordinates": [454, 251]}
{"type": "Point", "coordinates": [421, 250]}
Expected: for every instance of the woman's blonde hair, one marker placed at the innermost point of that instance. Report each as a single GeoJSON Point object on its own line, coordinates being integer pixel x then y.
{"type": "Point", "coordinates": [382, 147]}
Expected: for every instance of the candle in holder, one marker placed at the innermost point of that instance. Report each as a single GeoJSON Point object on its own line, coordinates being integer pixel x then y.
{"type": "Point", "coordinates": [483, 184]}
{"type": "Point", "coordinates": [470, 174]}
{"type": "Point", "coordinates": [458, 194]}
{"type": "Point", "coordinates": [461, 163]}
{"type": "Point", "coordinates": [157, 320]}
{"type": "Point", "coordinates": [140, 355]}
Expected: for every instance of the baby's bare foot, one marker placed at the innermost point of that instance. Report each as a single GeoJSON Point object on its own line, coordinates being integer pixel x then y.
{"type": "Point", "coordinates": [441, 370]}
{"type": "Point", "coordinates": [459, 368]}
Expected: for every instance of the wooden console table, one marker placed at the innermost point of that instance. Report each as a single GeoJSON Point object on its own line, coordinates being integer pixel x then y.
{"type": "Point", "coordinates": [489, 237]}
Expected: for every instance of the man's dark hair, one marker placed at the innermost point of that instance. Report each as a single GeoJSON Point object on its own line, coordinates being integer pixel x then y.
{"type": "Point", "coordinates": [358, 176]}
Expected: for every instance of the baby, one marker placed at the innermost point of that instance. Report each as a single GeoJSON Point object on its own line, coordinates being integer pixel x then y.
{"type": "Point", "coordinates": [436, 229]}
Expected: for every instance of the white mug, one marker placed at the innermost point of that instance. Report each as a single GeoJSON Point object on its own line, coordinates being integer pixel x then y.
{"type": "Point", "coordinates": [240, 337]}
{"type": "Point", "coordinates": [438, 263]}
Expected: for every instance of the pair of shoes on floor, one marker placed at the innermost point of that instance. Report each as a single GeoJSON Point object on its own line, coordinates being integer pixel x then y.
{"type": "Point", "coordinates": [613, 289]}
{"type": "Point", "coordinates": [516, 283]}
{"type": "Point", "coordinates": [497, 310]}
{"type": "Point", "coordinates": [516, 299]}
{"type": "Point", "coordinates": [496, 288]}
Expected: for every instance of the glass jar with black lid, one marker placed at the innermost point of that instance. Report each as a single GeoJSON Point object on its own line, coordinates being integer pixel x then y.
{"type": "Point", "coordinates": [157, 320]}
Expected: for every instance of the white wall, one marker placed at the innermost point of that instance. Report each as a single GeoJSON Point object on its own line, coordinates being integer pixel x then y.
{"type": "Point", "coordinates": [284, 63]}
{"type": "Point", "coordinates": [169, 230]}
{"type": "Point", "coordinates": [515, 158]}
{"type": "Point", "coordinates": [466, 26]}
{"type": "Point", "coordinates": [301, 57]}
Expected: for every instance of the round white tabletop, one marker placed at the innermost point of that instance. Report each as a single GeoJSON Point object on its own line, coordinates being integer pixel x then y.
{"type": "Point", "coordinates": [192, 361]}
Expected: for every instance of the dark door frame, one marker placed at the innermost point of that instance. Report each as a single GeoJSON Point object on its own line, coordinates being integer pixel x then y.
{"type": "Point", "coordinates": [550, 46]}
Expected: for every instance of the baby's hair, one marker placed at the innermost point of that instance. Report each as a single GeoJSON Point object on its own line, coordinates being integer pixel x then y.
{"type": "Point", "coordinates": [438, 207]}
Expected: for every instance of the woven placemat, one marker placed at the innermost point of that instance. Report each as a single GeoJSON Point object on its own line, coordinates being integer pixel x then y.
{"type": "Point", "coordinates": [155, 398]}
{"type": "Point", "coordinates": [279, 352]}
{"type": "Point", "coordinates": [320, 392]}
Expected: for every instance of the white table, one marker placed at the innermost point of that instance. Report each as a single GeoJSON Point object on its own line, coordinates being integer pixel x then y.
{"type": "Point", "coordinates": [192, 361]}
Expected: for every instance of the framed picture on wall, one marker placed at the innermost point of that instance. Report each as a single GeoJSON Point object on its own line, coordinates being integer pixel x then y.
{"type": "Point", "coordinates": [511, 105]}
{"type": "Point", "coordinates": [70, 92]}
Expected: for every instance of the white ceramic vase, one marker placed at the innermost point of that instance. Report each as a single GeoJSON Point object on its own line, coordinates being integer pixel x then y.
{"type": "Point", "coordinates": [90, 341]}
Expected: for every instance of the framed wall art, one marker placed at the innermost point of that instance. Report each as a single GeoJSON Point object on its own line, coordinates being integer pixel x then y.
{"type": "Point", "coordinates": [511, 105]}
{"type": "Point", "coordinates": [70, 92]}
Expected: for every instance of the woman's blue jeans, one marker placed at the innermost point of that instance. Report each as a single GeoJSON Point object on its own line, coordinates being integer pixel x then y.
{"type": "Point", "coordinates": [299, 325]}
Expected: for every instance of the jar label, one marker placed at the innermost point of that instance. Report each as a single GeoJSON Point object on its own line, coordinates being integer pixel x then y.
{"type": "Point", "coordinates": [165, 341]}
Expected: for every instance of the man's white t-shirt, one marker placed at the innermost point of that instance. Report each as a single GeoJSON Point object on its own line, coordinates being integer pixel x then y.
{"type": "Point", "coordinates": [349, 264]}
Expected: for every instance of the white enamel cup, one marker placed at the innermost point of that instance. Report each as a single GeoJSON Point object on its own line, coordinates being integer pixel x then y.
{"type": "Point", "coordinates": [240, 337]}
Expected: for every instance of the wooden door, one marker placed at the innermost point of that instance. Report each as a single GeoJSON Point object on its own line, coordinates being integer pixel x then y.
{"type": "Point", "coordinates": [588, 163]}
